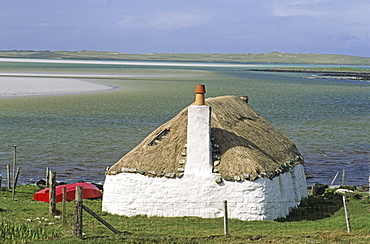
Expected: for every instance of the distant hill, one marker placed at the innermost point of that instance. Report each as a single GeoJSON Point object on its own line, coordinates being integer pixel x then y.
{"type": "Point", "coordinates": [273, 57]}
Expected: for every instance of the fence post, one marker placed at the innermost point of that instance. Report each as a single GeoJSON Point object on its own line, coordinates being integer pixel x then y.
{"type": "Point", "coordinates": [346, 214]}
{"type": "Point", "coordinates": [100, 219]}
{"type": "Point", "coordinates": [52, 183]}
{"type": "Point", "coordinates": [335, 177]}
{"type": "Point", "coordinates": [343, 175]}
{"type": "Point", "coordinates": [78, 212]}
{"type": "Point", "coordinates": [47, 177]}
{"type": "Point", "coordinates": [8, 175]}
{"type": "Point", "coordinates": [15, 182]}
{"type": "Point", "coordinates": [226, 223]}
{"type": "Point", "coordinates": [14, 162]}
{"type": "Point", "coordinates": [64, 200]}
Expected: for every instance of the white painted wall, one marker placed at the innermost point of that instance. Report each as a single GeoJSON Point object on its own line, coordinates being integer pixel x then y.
{"type": "Point", "coordinates": [132, 194]}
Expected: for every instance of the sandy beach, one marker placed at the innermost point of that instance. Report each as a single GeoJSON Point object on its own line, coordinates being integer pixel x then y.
{"type": "Point", "coordinates": [131, 63]}
{"type": "Point", "coordinates": [32, 86]}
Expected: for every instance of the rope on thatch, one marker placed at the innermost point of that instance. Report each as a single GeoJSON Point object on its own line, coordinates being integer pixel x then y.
{"type": "Point", "coordinates": [244, 145]}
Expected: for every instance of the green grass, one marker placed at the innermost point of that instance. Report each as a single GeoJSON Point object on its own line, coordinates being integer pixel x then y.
{"type": "Point", "coordinates": [318, 220]}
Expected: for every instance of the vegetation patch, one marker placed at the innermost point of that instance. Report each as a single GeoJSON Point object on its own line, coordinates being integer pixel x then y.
{"type": "Point", "coordinates": [319, 219]}
{"type": "Point", "coordinates": [273, 57]}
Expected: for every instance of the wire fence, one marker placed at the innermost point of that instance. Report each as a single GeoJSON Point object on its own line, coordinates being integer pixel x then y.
{"type": "Point", "coordinates": [320, 213]}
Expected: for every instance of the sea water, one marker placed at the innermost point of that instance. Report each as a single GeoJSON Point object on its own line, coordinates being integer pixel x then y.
{"type": "Point", "coordinates": [80, 135]}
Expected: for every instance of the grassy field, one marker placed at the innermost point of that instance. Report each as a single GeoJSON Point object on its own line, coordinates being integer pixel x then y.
{"type": "Point", "coordinates": [319, 220]}
{"type": "Point", "coordinates": [273, 57]}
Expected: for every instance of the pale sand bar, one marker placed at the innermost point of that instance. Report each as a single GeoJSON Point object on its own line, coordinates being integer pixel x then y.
{"type": "Point", "coordinates": [31, 86]}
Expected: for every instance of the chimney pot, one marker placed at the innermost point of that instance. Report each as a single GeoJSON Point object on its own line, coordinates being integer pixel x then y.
{"type": "Point", "coordinates": [199, 94]}
{"type": "Point", "coordinates": [200, 89]}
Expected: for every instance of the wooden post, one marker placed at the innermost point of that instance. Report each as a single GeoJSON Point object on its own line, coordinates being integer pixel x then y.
{"type": "Point", "coordinates": [1, 181]}
{"type": "Point", "coordinates": [15, 182]}
{"type": "Point", "coordinates": [52, 183]}
{"type": "Point", "coordinates": [47, 177]}
{"type": "Point", "coordinates": [14, 162]}
{"type": "Point", "coordinates": [346, 214]}
{"type": "Point", "coordinates": [343, 175]}
{"type": "Point", "coordinates": [64, 200]}
{"type": "Point", "coordinates": [335, 177]}
{"type": "Point", "coordinates": [226, 224]}
{"type": "Point", "coordinates": [100, 220]}
{"type": "Point", "coordinates": [17, 177]}
{"type": "Point", "coordinates": [8, 175]}
{"type": "Point", "coordinates": [78, 212]}
{"type": "Point", "coordinates": [369, 188]}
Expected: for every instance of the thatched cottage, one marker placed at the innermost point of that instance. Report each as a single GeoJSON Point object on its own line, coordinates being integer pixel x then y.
{"type": "Point", "coordinates": [214, 150]}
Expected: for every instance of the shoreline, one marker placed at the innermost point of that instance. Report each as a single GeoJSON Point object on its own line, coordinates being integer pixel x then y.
{"type": "Point", "coordinates": [21, 86]}
{"type": "Point", "coordinates": [101, 182]}
{"type": "Point", "coordinates": [348, 75]}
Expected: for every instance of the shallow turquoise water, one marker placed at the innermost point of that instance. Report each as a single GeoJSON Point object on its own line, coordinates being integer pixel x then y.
{"type": "Point", "coordinates": [80, 135]}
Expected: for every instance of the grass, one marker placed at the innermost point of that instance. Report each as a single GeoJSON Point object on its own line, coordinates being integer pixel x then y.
{"type": "Point", "coordinates": [318, 220]}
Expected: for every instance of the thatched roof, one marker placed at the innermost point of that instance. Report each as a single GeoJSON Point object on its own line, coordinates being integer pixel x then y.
{"type": "Point", "coordinates": [245, 145]}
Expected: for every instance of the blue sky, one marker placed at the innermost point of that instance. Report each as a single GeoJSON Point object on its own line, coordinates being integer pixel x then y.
{"type": "Point", "coordinates": [187, 26]}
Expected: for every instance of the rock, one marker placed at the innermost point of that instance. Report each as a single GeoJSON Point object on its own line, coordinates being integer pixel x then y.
{"type": "Point", "coordinates": [132, 170]}
{"type": "Point", "coordinates": [318, 189]}
{"type": "Point", "coordinates": [218, 180]}
{"type": "Point", "coordinates": [363, 188]}
{"type": "Point", "coordinates": [270, 175]}
{"type": "Point", "coordinates": [253, 177]}
{"type": "Point", "coordinates": [170, 175]}
{"type": "Point", "coordinates": [41, 184]}
{"type": "Point", "coordinates": [345, 192]}
{"type": "Point", "coordinates": [228, 178]}
{"type": "Point", "coordinates": [237, 178]}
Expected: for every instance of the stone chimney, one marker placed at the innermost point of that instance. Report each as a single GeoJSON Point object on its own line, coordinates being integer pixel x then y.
{"type": "Point", "coordinates": [199, 150]}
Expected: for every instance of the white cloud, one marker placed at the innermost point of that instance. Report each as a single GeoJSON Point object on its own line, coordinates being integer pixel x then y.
{"type": "Point", "coordinates": [300, 8]}
{"type": "Point", "coordinates": [166, 21]}
{"type": "Point", "coordinates": [284, 12]}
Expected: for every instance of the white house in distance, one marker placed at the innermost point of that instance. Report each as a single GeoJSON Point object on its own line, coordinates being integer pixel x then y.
{"type": "Point", "coordinates": [216, 149]}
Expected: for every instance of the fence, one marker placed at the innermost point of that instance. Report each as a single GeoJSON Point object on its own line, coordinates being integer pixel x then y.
{"type": "Point", "coordinates": [324, 213]}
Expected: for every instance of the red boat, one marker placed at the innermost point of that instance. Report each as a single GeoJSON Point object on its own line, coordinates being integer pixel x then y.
{"type": "Point", "coordinates": [89, 191]}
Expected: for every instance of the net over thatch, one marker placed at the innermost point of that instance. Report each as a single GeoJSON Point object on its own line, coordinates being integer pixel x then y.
{"type": "Point", "coordinates": [245, 145]}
